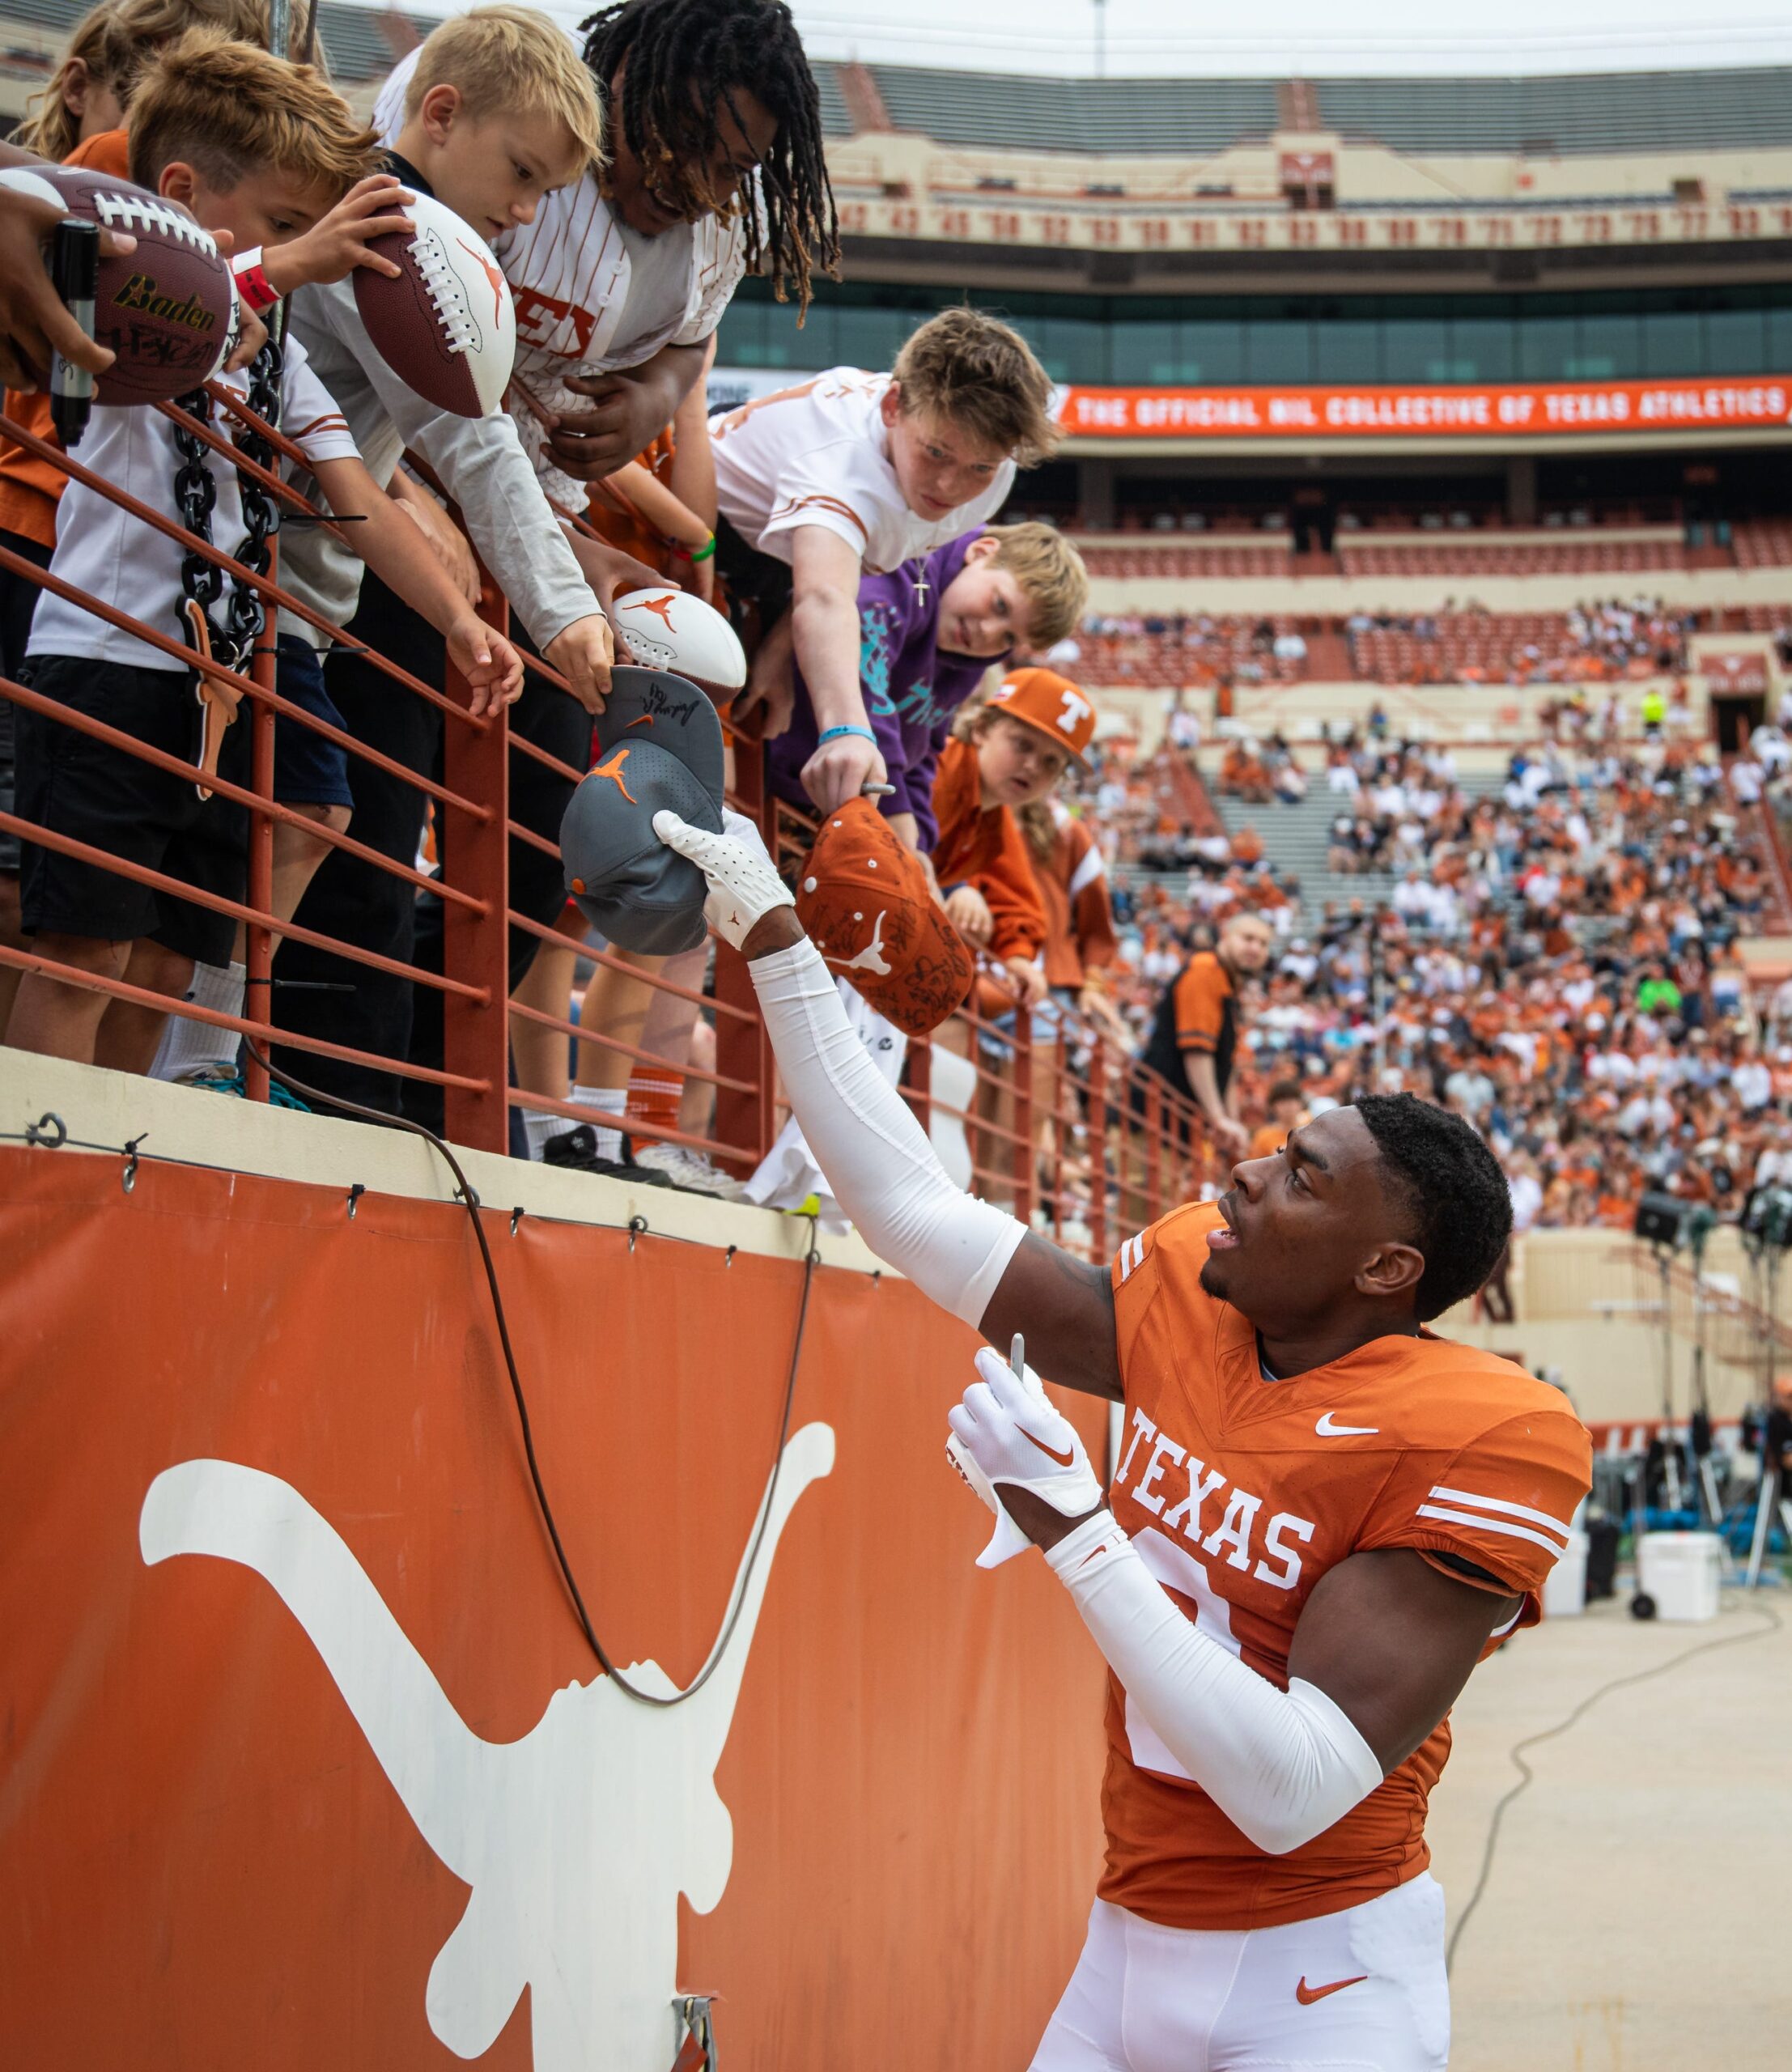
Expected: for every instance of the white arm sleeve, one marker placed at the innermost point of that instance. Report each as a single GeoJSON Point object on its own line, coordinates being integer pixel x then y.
{"type": "Point", "coordinates": [875, 1154]}
{"type": "Point", "coordinates": [1283, 1766]}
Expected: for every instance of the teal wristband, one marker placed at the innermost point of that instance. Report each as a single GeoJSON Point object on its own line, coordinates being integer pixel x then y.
{"type": "Point", "coordinates": [834, 734]}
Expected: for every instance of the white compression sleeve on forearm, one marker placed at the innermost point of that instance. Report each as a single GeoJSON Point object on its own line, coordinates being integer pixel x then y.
{"type": "Point", "coordinates": [875, 1154]}
{"type": "Point", "coordinates": [1283, 1766]}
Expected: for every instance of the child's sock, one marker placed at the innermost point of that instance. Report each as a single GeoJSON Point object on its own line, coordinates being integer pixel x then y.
{"type": "Point", "coordinates": [189, 1048]}
{"type": "Point", "coordinates": [655, 1093]}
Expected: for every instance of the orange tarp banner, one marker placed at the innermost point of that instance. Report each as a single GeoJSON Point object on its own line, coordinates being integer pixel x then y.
{"type": "Point", "coordinates": [1500, 411]}
{"type": "Point", "coordinates": [306, 1761]}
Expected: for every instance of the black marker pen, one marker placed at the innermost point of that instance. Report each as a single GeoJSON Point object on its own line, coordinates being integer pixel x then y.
{"type": "Point", "coordinates": [75, 271]}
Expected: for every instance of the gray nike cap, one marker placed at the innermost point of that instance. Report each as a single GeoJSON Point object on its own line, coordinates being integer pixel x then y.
{"type": "Point", "coordinates": [659, 748]}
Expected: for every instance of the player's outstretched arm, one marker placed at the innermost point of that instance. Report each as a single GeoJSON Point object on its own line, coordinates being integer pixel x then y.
{"type": "Point", "coordinates": [972, 1259]}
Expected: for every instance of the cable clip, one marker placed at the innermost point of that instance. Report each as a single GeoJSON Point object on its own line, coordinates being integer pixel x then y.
{"type": "Point", "coordinates": [516, 1216]}
{"type": "Point", "coordinates": [355, 1193]}
{"type": "Point", "coordinates": [129, 1175]}
{"type": "Point", "coordinates": [696, 2051]}
{"type": "Point", "coordinates": [637, 1225]}
{"type": "Point", "coordinates": [49, 1130]}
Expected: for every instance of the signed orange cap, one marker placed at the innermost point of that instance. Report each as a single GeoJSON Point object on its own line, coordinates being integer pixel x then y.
{"type": "Point", "coordinates": [862, 897]}
{"type": "Point", "coordinates": [1052, 703]}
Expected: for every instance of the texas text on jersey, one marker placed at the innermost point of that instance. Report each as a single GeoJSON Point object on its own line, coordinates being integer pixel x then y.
{"type": "Point", "coordinates": [1240, 1491]}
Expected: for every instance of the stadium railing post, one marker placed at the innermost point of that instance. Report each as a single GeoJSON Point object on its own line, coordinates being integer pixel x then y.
{"type": "Point", "coordinates": [1099, 1247]}
{"type": "Point", "coordinates": [475, 855]}
{"type": "Point", "coordinates": [743, 1050]}
{"type": "Point", "coordinates": [258, 960]}
{"type": "Point", "coordinates": [1025, 1148]}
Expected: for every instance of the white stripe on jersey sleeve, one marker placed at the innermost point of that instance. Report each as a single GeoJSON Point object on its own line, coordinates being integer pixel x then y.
{"type": "Point", "coordinates": [1086, 872]}
{"type": "Point", "coordinates": [1500, 1504]}
{"type": "Point", "coordinates": [1489, 1525]}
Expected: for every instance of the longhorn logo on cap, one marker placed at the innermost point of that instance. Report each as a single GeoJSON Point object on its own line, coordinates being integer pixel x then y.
{"type": "Point", "coordinates": [613, 769]}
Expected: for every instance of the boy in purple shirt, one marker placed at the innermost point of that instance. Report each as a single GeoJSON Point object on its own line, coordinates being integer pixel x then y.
{"type": "Point", "coordinates": [928, 632]}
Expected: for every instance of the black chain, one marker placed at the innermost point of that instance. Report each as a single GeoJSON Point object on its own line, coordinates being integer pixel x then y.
{"type": "Point", "coordinates": [195, 493]}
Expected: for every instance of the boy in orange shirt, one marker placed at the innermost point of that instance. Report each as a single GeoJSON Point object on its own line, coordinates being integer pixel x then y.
{"type": "Point", "coordinates": [1006, 754]}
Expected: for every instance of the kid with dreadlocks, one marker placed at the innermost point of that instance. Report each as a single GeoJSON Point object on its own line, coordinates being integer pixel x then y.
{"type": "Point", "coordinates": [713, 167]}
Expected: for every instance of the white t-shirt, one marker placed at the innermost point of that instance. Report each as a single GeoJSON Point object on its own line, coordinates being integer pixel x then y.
{"type": "Point", "coordinates": [104, 550]}
{"type": "Point", "coordinates": [591, 296]}
{"type": "Point", "coordinates": [819, 455]}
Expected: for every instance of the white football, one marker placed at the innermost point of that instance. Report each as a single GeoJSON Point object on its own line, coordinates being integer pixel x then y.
{"type": "Point", "coordinates": [447, 324]}
{"type": "Point", "coordinates": [669, 629]}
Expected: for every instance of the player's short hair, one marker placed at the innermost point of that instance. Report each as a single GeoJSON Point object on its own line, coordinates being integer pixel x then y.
{"type": "Point", "coordinates": [229, 110]}
{"type": "Point", "coordinates": [1050, 574]}
{"type": "Point", "coordinates": [512, 60]}
{"type": "Point", "coordinates": [1439, 1171]}
{"type": "Point", "coordinates": [980, 375]}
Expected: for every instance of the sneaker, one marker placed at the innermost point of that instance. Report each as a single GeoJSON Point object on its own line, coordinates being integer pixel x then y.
{"type": "Point", "coordinates": [228, 1080]}
{"type": "Point", "coordinates": [690, 1171]}
{"type": "Point", "coordinates": [576, 1150]}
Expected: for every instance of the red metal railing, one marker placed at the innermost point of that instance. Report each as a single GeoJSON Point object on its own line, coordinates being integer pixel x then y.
{"type": "Point", "coordinates": [1057, 1120]}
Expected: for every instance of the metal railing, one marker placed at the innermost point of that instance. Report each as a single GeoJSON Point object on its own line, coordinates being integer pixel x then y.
{"type": "Point", "coordinates": [1059, 1121]}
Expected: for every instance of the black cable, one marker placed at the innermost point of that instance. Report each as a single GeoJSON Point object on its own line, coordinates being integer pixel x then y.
{"type": "Point", "coordinates": [1516, 1751]}
{"type": "Point", "coordinates": [40, 1133]}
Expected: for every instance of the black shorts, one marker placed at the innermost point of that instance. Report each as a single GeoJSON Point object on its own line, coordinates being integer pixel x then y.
{"type": "Point", "coordinates": [19, 597]}
{"type": "Point", "coordinates": [309, 770]}
{"type": "Point", "coordinates": [758, 585]}
{"type": "Point", "coordinates": [97, 794]}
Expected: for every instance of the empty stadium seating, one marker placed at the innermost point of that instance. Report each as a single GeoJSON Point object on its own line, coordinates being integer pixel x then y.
{"type": "Point", "coordinates": [1762, 543]}
{"type": "Point", "coordinates": [1467, 555]}
{"type": "Point", "coordinates": [1126, 116]}
{"type": "Point", "coordinates": [1208, 559]}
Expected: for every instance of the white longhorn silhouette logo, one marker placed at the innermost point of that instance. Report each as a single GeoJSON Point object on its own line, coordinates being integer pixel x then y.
{"type": "Point", "coordinates": [871, 958]}
{"type": "Point", "coordinates": [576, 1840]}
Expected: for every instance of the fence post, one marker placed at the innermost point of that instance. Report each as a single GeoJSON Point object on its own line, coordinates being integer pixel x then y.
{"type": "Point", "coordinates": [1154, 1147]}
{"type": "Point", "coordinates": [1097, 1154]}
{"type": "Point", "coordinates": [743, 1050]}
{"type": "Point", "coordinates": [1024, 1148]}
{"type": "Point", "coordinates": [476, 945]}
{"type": "Point", "coordinates": [258, 956]}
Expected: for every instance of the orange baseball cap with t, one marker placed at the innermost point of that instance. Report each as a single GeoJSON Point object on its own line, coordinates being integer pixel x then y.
{"type": "Point", "coordinates": [1043, 699]}
{"type": "Point", "coordinates": [862, 897]}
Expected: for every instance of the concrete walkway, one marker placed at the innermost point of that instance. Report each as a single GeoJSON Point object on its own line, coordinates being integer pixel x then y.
{"type": "Point", "coordinates": [1634, 1919]}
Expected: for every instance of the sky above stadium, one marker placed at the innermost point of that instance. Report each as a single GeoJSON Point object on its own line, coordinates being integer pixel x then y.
{"type": "Point", "coordinates": [1281, 38]}
{"type": "Point", "coordinates": [1309, 37]}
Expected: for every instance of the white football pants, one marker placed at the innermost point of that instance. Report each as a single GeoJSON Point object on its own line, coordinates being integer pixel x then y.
{"type": "Point", "coordinates": [1359, 1991]}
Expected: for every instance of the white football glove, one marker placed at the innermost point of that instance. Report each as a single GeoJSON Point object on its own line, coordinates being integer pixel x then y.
{"type": "Point", "coordinates": [1006, 1430]}
{"type": "Point", "coordinates": [744, 884]}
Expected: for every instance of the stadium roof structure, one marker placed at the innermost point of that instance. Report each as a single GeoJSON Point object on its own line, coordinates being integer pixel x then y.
{"type": "Point", "coordinates": [1737, 109]}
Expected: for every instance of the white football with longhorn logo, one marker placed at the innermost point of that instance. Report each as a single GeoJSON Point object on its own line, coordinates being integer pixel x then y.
{"type": "Point", "coordinates": [669, 629]}
{"type": "Point", "coordinates": [446, 325]}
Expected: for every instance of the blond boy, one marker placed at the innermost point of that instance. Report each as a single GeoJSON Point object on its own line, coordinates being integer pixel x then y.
{"type": "Point", "coordinates": [852, 474]}
{"type": "Point", "coordinates": [257, 151]}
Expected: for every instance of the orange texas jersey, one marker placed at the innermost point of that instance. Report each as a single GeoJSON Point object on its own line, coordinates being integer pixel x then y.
{"type": "Point", "coordinates": [1239, 1494]}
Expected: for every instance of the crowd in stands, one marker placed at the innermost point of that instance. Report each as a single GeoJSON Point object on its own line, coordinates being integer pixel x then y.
{"type": "Point", "coordinates": [1556, 961]}
{"type": "Point", "coordinates": [1153, 649]}
{"type": "Point", "coordinates": [1600, 642]}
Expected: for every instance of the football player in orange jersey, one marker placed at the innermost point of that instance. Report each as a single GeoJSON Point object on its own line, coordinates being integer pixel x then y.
{"type": "Point", "coordinates": [1322, 1517]}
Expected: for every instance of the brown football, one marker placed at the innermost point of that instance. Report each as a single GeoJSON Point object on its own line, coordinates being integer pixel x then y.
{"type": "Point", "coordinates": [446, 325]}
{"type": "Point", "coordinates": [168, 310]}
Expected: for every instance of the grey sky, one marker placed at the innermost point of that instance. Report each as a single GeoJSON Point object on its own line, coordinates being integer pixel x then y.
{"type": "Point", "coordinates": [1284, 37]}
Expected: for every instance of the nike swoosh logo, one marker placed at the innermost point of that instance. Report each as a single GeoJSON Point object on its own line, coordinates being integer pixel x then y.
{"type": "Point", "coordinates": [1067, 1458]}
{"type": "Point", "coordinates": [1327, 1430]}
{"type": "Point", "coordinates": [1307, 1994]}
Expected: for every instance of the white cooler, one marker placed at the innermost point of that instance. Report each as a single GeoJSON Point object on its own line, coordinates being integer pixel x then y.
{"type": "Point", "coordinates": [1565, 1587]}
{"type": "Point", "coordinates": [1682, 1572]}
